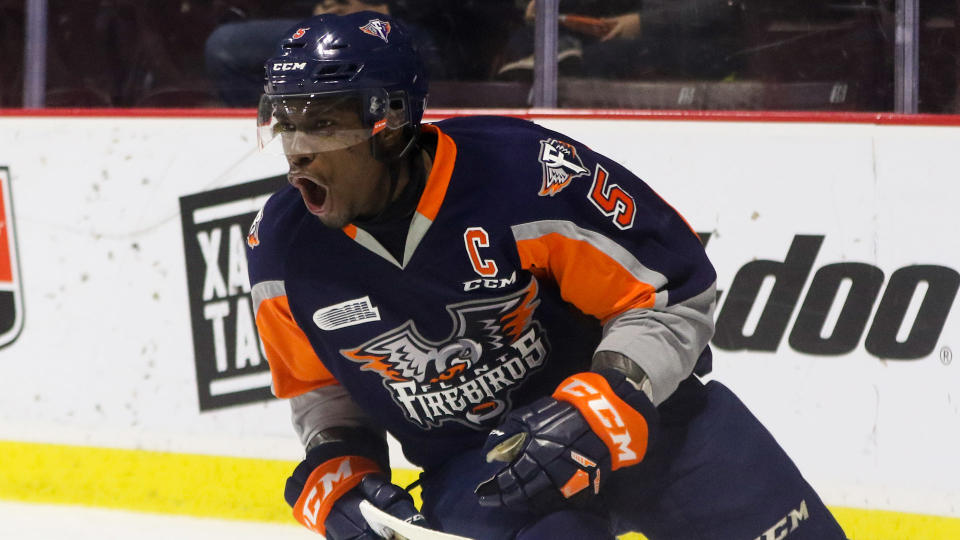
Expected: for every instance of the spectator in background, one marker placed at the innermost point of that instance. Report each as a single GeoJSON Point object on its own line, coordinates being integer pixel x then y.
{"type": "Point", "coordinates": [627, 39]}
{"type": "Point", "coordinates": [235, 51]}
{"type": "Point", "coordinates": [345, 7]}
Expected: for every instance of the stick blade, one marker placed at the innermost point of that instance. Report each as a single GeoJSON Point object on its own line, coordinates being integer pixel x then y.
{"type": "Point", "coordinates": [392, 527]}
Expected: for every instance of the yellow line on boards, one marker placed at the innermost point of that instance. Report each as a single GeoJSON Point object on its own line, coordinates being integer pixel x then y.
{"type": "Point", "coordinates": [252, 489]}
{"type": "Point", "coordinates": [162, 482]}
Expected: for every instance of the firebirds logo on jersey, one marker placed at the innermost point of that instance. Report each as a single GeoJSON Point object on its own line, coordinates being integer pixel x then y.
{"type": "Point", "coordinates": [561, 164]}
{"type": "Point", "coordinates": [468, 377]}
{"type": "Point", "coordinates": [377, 28]}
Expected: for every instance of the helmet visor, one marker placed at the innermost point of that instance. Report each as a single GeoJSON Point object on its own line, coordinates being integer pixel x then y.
{"type": "Point", "coordinates": [314, 123]}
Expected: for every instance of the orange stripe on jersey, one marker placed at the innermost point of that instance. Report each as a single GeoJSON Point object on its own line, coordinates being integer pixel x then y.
{"type": "Point", "coordinates": [293, 363]}
{"type": "Point", "coordinates": [350, 230]}
{"type": "Point", "coordinates": [440, 173]}
{"type": "Point", "coordinates": [588, 278]}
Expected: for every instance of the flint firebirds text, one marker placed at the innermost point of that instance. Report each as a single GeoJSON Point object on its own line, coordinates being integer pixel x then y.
{"type": "Point", "coordinates": [450, 381]}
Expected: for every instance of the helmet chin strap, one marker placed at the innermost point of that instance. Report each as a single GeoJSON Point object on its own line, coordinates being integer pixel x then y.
{"type": "Point", "coordinates": [394, 163]}
{"type": "Point", "coordinates": [391, 224]}
{"type": "Point", "coordinates": [397, 208]}
{"type": "Point", "coordinates": [394, 169]}
{"type": "Point", "coordinates": [411, 144]}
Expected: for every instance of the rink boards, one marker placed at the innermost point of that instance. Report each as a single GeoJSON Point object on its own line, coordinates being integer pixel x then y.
{"type": "Point", "coordinates": [833, 238]}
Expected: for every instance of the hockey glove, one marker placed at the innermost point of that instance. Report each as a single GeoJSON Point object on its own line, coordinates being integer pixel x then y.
{"type": "Point", "coordinates": [325, 493]}
{"type": "Point", "coordinates": [346, 522]}
{"type": "Point", "coordinates": [561, 449]}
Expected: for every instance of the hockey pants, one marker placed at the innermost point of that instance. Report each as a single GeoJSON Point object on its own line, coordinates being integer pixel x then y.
{"type": "Point", "coordinates": [716, 474]}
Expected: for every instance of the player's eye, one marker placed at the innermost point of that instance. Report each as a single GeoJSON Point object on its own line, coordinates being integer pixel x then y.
{"type": "Point", "coordinates": [323, 126]}
{"type": "Point", "coordinates": [284, 127]}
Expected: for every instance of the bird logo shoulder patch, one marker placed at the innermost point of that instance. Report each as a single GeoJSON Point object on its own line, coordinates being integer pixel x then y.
{"type": "Point", "coordinates": [253, 236]}
{"type": "Point", "coordinates": [467, 378]}
{"type": "Point", "coordinates": [561, 164]}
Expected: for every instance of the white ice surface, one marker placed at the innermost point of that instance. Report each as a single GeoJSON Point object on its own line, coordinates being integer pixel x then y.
{"type": "Point", "coordinates": [20, 521]}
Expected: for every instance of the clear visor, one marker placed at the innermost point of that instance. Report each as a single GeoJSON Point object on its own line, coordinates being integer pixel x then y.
{"type": "Point", "coordinates": [314, 123]}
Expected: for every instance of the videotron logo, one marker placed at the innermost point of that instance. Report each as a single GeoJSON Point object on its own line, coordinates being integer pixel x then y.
{"type": "Point", "coordinates": [231, 367]}
{"type": "Point", "coordinates": [913, 307]}
{"type": "Point", "coordinates": [11, 290]}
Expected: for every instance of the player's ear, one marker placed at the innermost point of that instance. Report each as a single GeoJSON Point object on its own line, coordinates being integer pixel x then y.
{"type": "Point", "coordinates": [391, 142]}
{"type": "Point", "coordinates": [396, 118]}
{"type": "Point", "coordinates": [397, 114]}
{"type": "Point", "coordinates": [400, 132]}
{"type": "Point", "coordinates": [396, 135]}
{"type": "Point", "coordinates": [392, 137]}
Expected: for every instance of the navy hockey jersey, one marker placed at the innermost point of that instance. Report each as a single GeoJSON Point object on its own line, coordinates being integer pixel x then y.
{"type": "Point", "coordinates": [527, 253]}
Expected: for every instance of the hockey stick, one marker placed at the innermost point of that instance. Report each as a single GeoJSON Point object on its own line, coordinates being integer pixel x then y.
{"type": "Point", "coordinates": [391, 527]}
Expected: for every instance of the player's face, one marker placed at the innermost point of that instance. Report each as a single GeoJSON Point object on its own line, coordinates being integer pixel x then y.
{"type": "Point", "coordinates": [342, 184]}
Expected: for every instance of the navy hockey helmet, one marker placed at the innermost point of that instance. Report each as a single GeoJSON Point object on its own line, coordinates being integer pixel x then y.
{"type": "Point", "coordinates": [364, 62]}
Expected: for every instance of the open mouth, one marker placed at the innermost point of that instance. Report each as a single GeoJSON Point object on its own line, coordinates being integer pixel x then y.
{"type": "Point", "coordinates": [314, 194]}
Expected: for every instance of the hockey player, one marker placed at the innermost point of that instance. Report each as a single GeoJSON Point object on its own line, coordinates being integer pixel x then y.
{"type": "Point", "coordinates": [523, 314]}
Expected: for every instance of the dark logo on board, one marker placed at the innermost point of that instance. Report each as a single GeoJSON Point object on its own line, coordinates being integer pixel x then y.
{"type": "Point", "coordinates": [11, 290]}
{"type": "Point", "coordinates": [231, 368]}
{"type": "Point", "coordinates": [468, 377]}
{"type": "Point", "coordinates": [902, 318]}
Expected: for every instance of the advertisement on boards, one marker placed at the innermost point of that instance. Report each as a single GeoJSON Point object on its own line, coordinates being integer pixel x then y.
{"type": "Point", "coordinates": [231, 368]}
{"type": "Point", "coordinates": [11, 292]}
{"type": "Point", "coordinates": [124, 298]}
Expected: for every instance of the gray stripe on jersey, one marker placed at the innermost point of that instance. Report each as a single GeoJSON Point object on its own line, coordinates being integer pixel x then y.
{"type": "Point", "coordinates": [536, 229]}
{"type": "Point", "coordinates": [324, 408]}
{"type": "Point", "coordinates": [367, 240]}
{"type": "Point", "coordinates": [266, 290]}
{"type": "Point", "coordinates": [664, 342]}
{"type": "Point", "coordinates": [418, 227]}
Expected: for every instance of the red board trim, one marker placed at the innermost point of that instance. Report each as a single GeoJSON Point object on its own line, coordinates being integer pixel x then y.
{"type": "Point", "coordinates": [878, 118]}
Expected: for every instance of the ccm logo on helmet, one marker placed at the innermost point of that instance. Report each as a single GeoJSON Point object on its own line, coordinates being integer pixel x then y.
{"type": "Point", "coordinates": [289, 66]}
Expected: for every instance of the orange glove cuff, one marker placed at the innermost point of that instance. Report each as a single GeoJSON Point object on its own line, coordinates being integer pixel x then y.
{"type": "Point", "coordinates": [621, 427]}
{"type": "Point", "coordinates": [325, 485]}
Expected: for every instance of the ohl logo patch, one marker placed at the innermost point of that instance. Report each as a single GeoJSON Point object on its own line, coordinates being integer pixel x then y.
{"type": "Point", "coordinates": [11, 291]}
{"type": "Point", "coordinates": [561, 164]}
{"type": "Point", "coordinates": [468, 377]}
{"type": "Point", "coordinates": [377, 28]}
